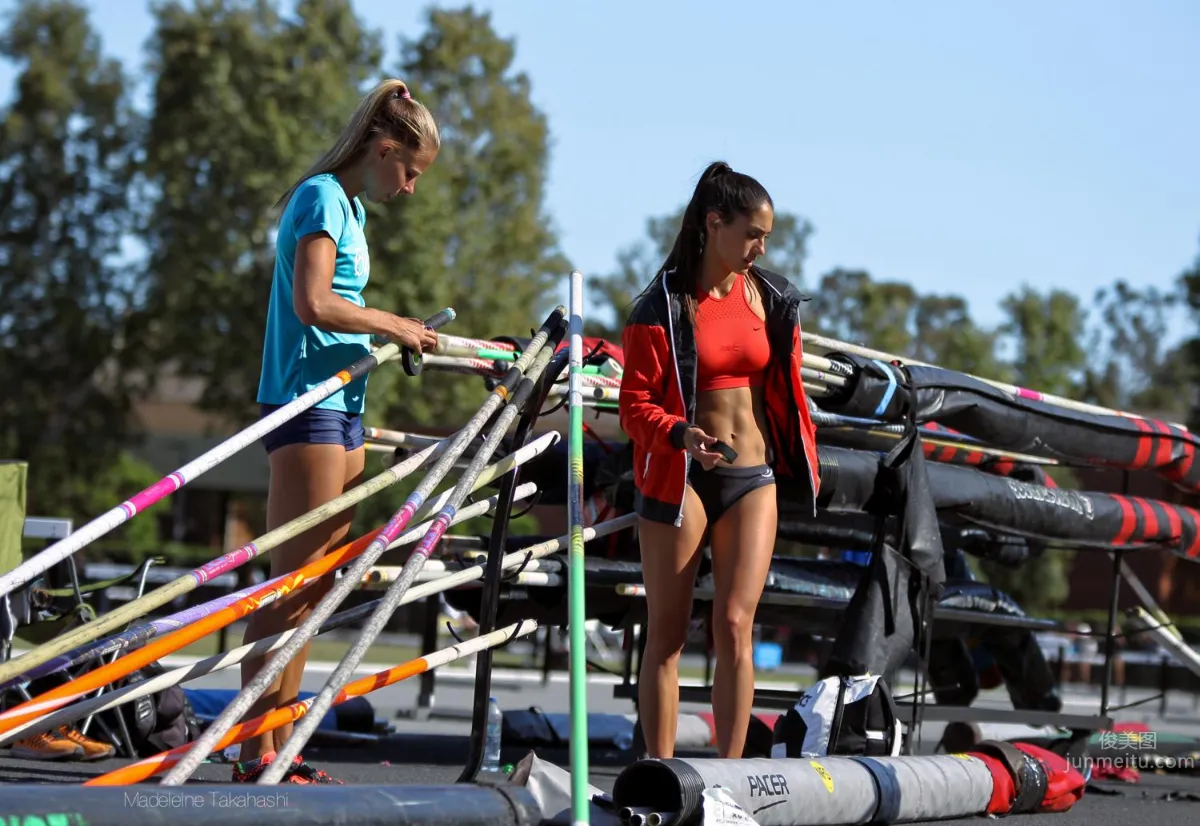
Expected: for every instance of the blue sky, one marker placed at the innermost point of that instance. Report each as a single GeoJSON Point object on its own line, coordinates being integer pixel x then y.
{"type": "Point", "coordinates": [963, 147]}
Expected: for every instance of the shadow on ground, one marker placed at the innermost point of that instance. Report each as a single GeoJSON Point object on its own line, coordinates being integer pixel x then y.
{"type": "Point", "coordinates": [397, 758]}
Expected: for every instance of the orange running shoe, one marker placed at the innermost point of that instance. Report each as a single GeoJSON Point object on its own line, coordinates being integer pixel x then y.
{"type": "Point", "coordinates": [92, 749]}
{"type": "Point", "coordinates": [46, 746]}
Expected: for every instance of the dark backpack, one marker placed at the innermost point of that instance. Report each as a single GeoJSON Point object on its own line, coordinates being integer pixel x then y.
{"type": "Point", "coordinates": [160, 721]}
{"type": "Point", "coordinates": [841, 716]}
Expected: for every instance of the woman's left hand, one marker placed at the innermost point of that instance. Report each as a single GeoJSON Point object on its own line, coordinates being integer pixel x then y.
{"type": "Point", "coordinates": [698, 443]}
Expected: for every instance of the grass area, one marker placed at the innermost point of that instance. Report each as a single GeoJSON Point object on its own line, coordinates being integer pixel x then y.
{"type": "Point", "coordinates": [691, 675]}
{"type": "Point", "coordinates": [695, 674]}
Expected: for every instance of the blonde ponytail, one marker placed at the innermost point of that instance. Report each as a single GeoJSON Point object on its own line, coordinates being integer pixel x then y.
{"type": "Point", "coordinates": [389, 111]}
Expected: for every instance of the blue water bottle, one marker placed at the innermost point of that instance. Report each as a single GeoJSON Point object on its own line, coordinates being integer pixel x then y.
{"type": "Point", "coordinates": [491, 742]}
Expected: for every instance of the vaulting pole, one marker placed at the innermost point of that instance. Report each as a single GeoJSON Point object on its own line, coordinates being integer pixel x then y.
{"type": "Point", "coordinates": [69, 643]}
{"type": "Point", "coordinates": [575, 571]}
{"type": "Point", "coordinates": [218, 662]}
{"type": "Point", "coordinates": [292, 712]}
{"type": "Point", "coordinates": [262, 681]}
{"type": "Point", "coordinates": [166, 486]}
{"type": "Point", "coordinates": [156, 649]}
{"type": "Point", "coordinates": [517, 387]}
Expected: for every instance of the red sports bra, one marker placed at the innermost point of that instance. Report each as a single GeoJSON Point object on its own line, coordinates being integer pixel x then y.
{"type": "Point", "coordinates": [732, 347]}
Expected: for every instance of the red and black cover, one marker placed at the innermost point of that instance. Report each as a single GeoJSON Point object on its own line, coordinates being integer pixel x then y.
{"type": "Point", "coordinates": [1023, 508]}
{"type": "Point", "coordinates": [1017, 422]}
{"type": "Point", "coordinates": [1028, 778]}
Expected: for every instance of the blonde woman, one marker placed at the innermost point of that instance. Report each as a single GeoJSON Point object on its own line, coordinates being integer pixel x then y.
{"type": "Point", "coordinates": [317, 324]}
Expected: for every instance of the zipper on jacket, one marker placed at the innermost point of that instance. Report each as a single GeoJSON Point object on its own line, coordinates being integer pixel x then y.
{"type": "Point", "coordinates": [687, 458]}
{"type": "Point", "coordinates": [812, 482]}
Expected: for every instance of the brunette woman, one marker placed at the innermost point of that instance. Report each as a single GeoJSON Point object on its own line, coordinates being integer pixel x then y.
{"type": "Point", "coordinates": [713, 402]}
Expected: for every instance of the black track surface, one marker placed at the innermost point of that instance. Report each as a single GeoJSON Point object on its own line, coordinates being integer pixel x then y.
{"type": "Point", "coordinates": [438, 759]}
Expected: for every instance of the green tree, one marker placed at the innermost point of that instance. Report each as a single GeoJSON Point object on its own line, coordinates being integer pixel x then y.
{"type": "Point", "coordinates": [849, 306]}
{"type": "Point", "coordinates": [1130, 363]}
{"type": "Point", "coordinates": [637, 263]}
{"type": "Point", "coordinates": [1045, 334]}
{"type": "Point", "coordinates": [476, 235]}
{"type": "Point", "coordinates": [71, 323]}
{"type": "Point", "coordinates": [1189, 283]}
{"type": "Point", "coordinates": [1189, 350]}
{"type": "Point", "coordinates": [245, 99]}
{"type": "Point", "coordinates": [948, 337]}
{"type": "Point", "coordinates": [893, 317]}
{"type": "Point", "coordinates": [1040, 584]}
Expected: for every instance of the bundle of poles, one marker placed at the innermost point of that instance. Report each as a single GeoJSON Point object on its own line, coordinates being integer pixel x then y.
{"type": "Point", "coordinates": [601, 389]}
{"type": "Point", "coordinates": [527, 379]}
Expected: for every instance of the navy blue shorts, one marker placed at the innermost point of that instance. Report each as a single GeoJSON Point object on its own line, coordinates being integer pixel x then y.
{"type": "Point", "coordinates": [315, 426]}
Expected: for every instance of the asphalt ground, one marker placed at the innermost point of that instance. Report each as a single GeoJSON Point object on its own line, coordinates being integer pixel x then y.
{"type": "Point", "coordinates": [434, 750]}
{"type": "Point", "coordinates": [435, 759]}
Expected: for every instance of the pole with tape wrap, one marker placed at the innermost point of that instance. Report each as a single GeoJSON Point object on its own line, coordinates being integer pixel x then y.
{"type": "Point", "coordinates": [575, 572]}
{"type": "Point", "coordinates": [68, 644]}
{"type": "Point", "coordinates": [185, 673]}
{"type": "Point", "coordinates": [261, 682]}
{"type": "Point", "coordinates": [172, 482]}
{"type": "Point", "coordinates": [292, 712]}
{"type": "Point", "coordinates": [158, 648]}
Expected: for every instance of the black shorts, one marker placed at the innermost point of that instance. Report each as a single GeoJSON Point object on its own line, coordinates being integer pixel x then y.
{"type": "Point", "coordinates": [719, 489]}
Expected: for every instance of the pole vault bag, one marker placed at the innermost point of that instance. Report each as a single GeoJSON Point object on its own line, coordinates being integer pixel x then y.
{"type": "Point", "coordinates": [1027, 778]}
{"type": "Point", "coordinates": [840, 716]}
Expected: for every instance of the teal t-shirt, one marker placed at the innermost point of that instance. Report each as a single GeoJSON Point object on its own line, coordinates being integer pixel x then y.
{"type": "Point", "coordinates": [298, 357]}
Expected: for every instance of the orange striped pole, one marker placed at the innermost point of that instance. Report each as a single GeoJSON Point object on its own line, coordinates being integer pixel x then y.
{"type": "Point", "coordinates": [150, 766]}
{"type": "Point", "coordinates": [155, 650]}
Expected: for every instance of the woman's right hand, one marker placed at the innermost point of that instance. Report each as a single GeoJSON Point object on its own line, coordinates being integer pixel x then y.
{"type": "Point", "coordinates": [413, 334]}
{"type": "Point", "coordinates": [697, 443]}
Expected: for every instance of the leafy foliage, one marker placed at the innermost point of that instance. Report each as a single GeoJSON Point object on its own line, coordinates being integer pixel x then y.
{"type": "Point", "coordinates": [245, 99]}
{"type": "Point", "coordinates": [72, 325]}
{"type": "Point", "coordinates": [476, 237]}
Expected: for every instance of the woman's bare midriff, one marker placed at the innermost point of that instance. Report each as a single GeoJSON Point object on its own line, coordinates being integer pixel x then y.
{"type": "Point", "coordinates": [738, 418]}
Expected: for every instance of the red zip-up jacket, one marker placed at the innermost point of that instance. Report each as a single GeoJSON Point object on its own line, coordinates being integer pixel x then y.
{"type": "Point", "coordinates": [658, 395]}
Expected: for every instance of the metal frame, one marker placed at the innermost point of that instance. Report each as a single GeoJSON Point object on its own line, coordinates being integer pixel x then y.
{"type": "Point", "coordinates": [52, 530]}
{"type": "Point", "coordinates": [918, 709]}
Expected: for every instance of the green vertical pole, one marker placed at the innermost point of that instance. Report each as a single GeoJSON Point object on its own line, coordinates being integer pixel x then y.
{"type": "Point", "coordinates": [575, 593]}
